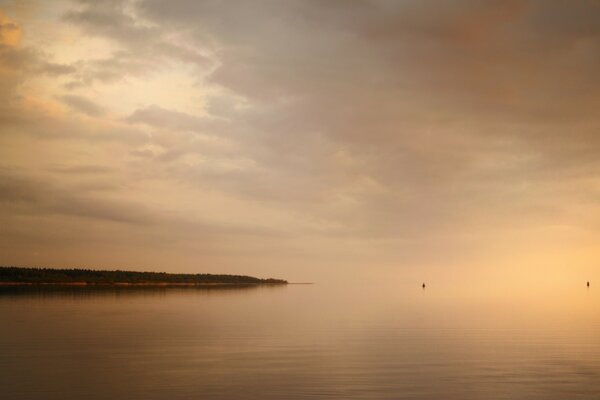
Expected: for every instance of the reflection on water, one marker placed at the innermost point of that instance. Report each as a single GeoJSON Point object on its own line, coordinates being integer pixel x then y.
{"type": "Point", "coordinates": [76, 291]}
{"type": "Point", "coordinates": [299, 342]}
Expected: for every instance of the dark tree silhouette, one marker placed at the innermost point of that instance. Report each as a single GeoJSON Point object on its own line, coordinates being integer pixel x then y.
{"type": "Point", "coordinates": [50, 275]}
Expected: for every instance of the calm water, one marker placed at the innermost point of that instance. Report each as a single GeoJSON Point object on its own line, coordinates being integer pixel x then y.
{"type": "Point", "coordinates": [301, 342]}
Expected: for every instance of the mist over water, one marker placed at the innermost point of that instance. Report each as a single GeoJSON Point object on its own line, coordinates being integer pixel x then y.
{"type": "Point", "coordinates": [387, 341]}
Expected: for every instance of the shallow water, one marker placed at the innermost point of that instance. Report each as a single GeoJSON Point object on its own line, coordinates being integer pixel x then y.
{"type": "Point", "coordinates": [301, 342]}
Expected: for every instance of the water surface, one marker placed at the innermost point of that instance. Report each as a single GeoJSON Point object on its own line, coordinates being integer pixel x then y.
{"type": "Point", "coordinates": [301, 342]}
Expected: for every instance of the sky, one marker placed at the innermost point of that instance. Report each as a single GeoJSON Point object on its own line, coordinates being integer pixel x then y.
{"type": "Point", "coordinates": [302, 139]}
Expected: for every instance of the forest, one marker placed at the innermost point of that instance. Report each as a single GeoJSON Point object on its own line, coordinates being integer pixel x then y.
{"type": "Point", "coordinates": [91, 276]}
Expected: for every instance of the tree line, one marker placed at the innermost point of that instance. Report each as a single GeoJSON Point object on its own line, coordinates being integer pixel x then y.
{"type": "Point", "coordinates": [51, 275]}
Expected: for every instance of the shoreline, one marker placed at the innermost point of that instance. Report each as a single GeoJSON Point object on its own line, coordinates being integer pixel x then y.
{"type": "Point", "coordinates": [23, 276]}
{"type": "Point", "coordinates": [145, 284]}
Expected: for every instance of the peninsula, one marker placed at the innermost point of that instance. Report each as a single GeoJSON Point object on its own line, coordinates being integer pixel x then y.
{"type": "Point", "coordinates": [10, 276]}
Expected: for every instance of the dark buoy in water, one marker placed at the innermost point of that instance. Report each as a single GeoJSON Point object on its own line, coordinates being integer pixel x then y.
{"type": "Point", "coordinates": [424, 285]}
{"type": "Point", "coordinates": [588, 284]}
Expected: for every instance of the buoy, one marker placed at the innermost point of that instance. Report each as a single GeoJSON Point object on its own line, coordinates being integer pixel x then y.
{"type": "Point", "coordinates": [424, 285]}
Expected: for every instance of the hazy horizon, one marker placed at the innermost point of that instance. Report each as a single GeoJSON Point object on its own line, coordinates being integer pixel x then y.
{"type": "Point", "coordinates": [311, 141]}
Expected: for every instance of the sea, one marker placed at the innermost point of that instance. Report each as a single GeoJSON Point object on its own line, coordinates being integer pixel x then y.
{"type": "Point", "coordinates": [304, 341]}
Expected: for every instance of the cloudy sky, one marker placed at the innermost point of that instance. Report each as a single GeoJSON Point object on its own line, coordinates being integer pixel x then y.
{"type": "Point", "coordinates": [302, 139]}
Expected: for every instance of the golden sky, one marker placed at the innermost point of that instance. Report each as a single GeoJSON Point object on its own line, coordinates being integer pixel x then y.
{"type": "Point", "coordinates": [303, 138]}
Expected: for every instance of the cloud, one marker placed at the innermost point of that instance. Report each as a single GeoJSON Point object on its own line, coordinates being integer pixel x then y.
{"type": "Point", "coordinates": [141, 47]}
{"type": "Point", "coordinates": [24, 194]}
{"type": "Point", "coordinates": [370, 121]}
{"type": "Point", "coordinates": [31, 60]}
{"type": "Point", "coordinates": [83, 104]}
{"type": "Point", "coordinates": [160, 117]}
{"type": "Point", "coordinates": [439, 104]}
{"type": "Point", "coordinates": [84, 169]}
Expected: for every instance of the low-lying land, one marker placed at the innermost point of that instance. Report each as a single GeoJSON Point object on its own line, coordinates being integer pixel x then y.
{"type": "Point", "coordinates": [84, 277]}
